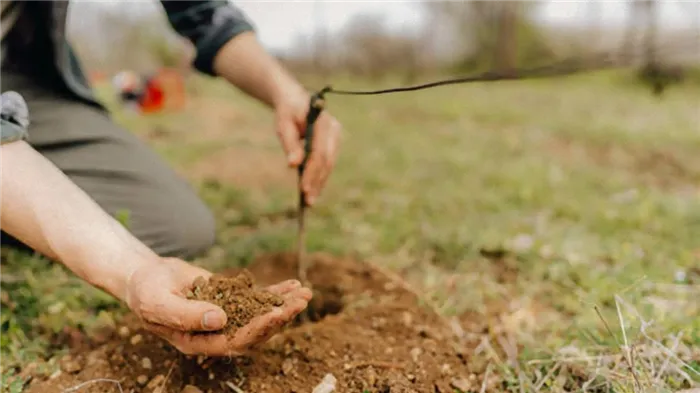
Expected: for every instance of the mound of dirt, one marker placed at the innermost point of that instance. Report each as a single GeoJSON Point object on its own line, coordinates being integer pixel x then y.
{"type": "Point", "coordinates": [237, 297]}
{"type": "Point", "coordinates": [368, 332]}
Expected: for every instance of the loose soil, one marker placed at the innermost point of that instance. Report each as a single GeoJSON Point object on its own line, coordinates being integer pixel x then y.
{"type": "Point", "coordinates": [366, 330]}
{"type": "Point", "coordinates": [237, 297]}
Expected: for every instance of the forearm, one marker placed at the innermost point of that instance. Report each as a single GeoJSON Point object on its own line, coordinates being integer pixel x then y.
{"type": "Point", "coordinates": [245, 63]}
{"type": "Point", "coordinates": [41, 207]}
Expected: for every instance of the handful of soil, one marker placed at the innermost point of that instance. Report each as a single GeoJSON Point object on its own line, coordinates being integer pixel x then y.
{"type": "Point", "coordinates": [237, 297]}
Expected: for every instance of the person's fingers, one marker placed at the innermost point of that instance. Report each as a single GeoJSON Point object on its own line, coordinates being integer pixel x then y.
{"type": "Point", "coordinates": [182, 314]}
{"type": "Point", "coordinates": [323, 156]}
{"type": "Point", "coordinates": [304, 294]}
{"type": "Point", "coordinates": [289, 136]}
{"type": "Point", "coordinates": [194, 344]}
{"type": "Point", "coordinates": [284, 287]}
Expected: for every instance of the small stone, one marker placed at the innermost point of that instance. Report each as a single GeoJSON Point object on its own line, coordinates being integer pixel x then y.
{"type": "Point", "coordinates": [347, 366]}
{"type": "Point", "coordinates": [327, 384]}
{"type": "Point", "coordinates": [460, 383]}
{"type": "Point", "coordinates": [142, 379]}
{"type": "Point", "coordinates": [191, 389]}
{"type": "Point", "coordinates": [156, 382]}
{"type": "Point", "coordinates": [136, 339]}
{"type": "Point", "coordinates": [415, 354]}
{"type": "Point", "coordinates": [287, 366]}
{"type": "Point", "coordinates": [407, 318]}
{"type": "Point", "coordinates": [445, 369]}
{"type": "Point", "coordinates": [411, 377]}
{"type": "Point", "coordinates": [423, 331]}
{"type": "Point", "coordinates": [371, 376]}
{"type": "Point", "coordinates": [211, 376]}
{"type": "Point", "coordinates": [56, 374]}
{"type": "Point", "coordinates": [146, 363]}
{"type": "Point", "coordinates": [123, 332]}
{"type": "Point", "coordinates": [70, 365]}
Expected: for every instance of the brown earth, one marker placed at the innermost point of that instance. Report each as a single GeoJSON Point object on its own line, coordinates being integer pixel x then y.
{"type": "Point", "coordinates": [237, 297]}
{"type": "Point", "coordinates": [367, 331]}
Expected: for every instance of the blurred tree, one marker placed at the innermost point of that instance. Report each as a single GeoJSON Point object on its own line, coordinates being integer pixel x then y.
{"type": "Point", "coordinates": [493, 35]}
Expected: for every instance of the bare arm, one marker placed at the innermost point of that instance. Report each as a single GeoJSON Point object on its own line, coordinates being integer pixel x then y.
{"type": "Point", "coordinates": [40, 206]}
{"type": "Point", "coordinates": [245, 64]}
{"type": "Point", "coordinates": [43, 208]}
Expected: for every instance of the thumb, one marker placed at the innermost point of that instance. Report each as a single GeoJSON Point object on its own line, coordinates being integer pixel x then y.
{"type": "Point", "coordinates": [289, 135]}
{"type": "Point", "coordinates": [187, 315]}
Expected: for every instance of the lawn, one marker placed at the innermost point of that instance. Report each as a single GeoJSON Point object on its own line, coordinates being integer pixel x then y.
{"type": "Point", "coordinates": [556, 221]}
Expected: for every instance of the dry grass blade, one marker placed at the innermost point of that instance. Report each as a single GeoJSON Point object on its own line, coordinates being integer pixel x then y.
{"type": "Point", "coordinates": [626, 348]}
{"type": "Point", "coordinates": [80, 386]}
{"type": "Point", "coordinates": [234, 387]}
{"type": "Point", "coordinates": [485, 382]}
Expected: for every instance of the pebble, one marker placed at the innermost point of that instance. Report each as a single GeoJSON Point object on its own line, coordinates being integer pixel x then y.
{"type": "Point", "coordinates": [142, 379]}
{"type": "Point", "coordinates": [327, 384]}
{"type": "Point", "coordinates": [461, 384]}
{"type": "Point", "coordinates": [445, 369]}
{"type": "Point", "coordinates": [211, 376]}
{"type": "Point", "coordinates": [411, 377]}
{"type": "Point", "coordinates": [123, 332]}
{"type": "Point", "coordinates": [287, 366]}
{"type": "Point", "coordinates": [146, 363]}
{"type": "Point", "coordinates": [415, 353]}
{"type": "Point", "coordinates": [156, 382]}
{"type": "Point", "coordinates": [136, 339]}
{"type": "Point", "coordinates": [407, 318]}
{"type": "Point", "coordinates": [70, 365]}
{"type": "Point", "coordinates": [191, 389]}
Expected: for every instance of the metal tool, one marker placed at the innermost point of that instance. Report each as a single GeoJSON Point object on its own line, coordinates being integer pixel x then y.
{"type": "Point", "coordinates": [316, 106]}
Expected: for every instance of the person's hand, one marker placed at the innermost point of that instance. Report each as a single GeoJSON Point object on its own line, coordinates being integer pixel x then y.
{"type": "Point", "coordinates": [155, 293]}
{"type": "Point", "coordinates": [290, 114]}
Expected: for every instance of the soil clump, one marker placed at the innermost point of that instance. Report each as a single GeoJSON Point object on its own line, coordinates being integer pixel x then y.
{"type": "Point", "coordinates": [237, 297]}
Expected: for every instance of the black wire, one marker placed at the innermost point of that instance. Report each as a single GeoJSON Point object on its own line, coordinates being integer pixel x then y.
{"type": "Point", "coordinates": [566, 67]}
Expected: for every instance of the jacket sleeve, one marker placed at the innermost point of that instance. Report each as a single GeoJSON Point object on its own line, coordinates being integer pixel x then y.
{"type": "Point", "coordinates": [208, 25]}
{"type": "Point", "coordinates": [14, 117]}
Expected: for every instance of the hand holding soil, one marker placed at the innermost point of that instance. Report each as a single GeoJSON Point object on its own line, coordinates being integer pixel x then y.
{"type": "Point", "coordinates": [158, 294]}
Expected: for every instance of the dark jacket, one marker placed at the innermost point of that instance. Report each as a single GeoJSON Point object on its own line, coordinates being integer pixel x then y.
{"type": "Point", "coordinates": [40, 37]}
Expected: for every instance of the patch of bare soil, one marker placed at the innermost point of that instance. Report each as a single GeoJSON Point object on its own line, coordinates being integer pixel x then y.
{"type": "Point", "coordinates": [237, 297]}
{"type": "Point", "coordinates": [366, 330]}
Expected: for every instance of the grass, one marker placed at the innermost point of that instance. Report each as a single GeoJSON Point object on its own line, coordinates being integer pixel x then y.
{"type": "Point", "coordinates": [557, 220]}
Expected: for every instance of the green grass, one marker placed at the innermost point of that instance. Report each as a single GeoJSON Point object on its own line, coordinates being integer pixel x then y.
{"type": "Point", "coordinates": [588, 185]}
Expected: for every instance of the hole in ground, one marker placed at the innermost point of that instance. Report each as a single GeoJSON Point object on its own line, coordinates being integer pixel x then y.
{"type": "Point", "coordinates": [327, 300]}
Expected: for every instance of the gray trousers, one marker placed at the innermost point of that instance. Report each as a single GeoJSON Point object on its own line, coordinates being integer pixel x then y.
{"type": "Point", "coordinates": [113, 167]}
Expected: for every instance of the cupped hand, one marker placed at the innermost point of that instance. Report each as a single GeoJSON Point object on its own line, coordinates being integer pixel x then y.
{"type": "Point", "coordinates": [155, 293]}
{"type": "Point", "coordinates": [290, 116]}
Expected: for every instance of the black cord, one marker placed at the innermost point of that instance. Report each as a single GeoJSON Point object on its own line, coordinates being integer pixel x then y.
{"type": "Point", "coordinates": [561, 68]}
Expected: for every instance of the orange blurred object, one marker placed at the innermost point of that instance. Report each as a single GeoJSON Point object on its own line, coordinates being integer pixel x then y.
{"type": "Point", "coordinates": [153, 96]}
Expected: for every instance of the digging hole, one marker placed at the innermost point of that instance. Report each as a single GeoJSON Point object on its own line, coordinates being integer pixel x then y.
{"type": "Point", "coordinates": [327, 300]}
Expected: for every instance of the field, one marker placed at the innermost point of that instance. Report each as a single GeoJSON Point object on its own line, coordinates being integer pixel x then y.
{"type": "Point", "coordinates": [554, 225]}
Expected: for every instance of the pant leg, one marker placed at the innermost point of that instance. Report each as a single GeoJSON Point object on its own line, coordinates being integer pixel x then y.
{"type": "Point", "coordinates": [116, 169]}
